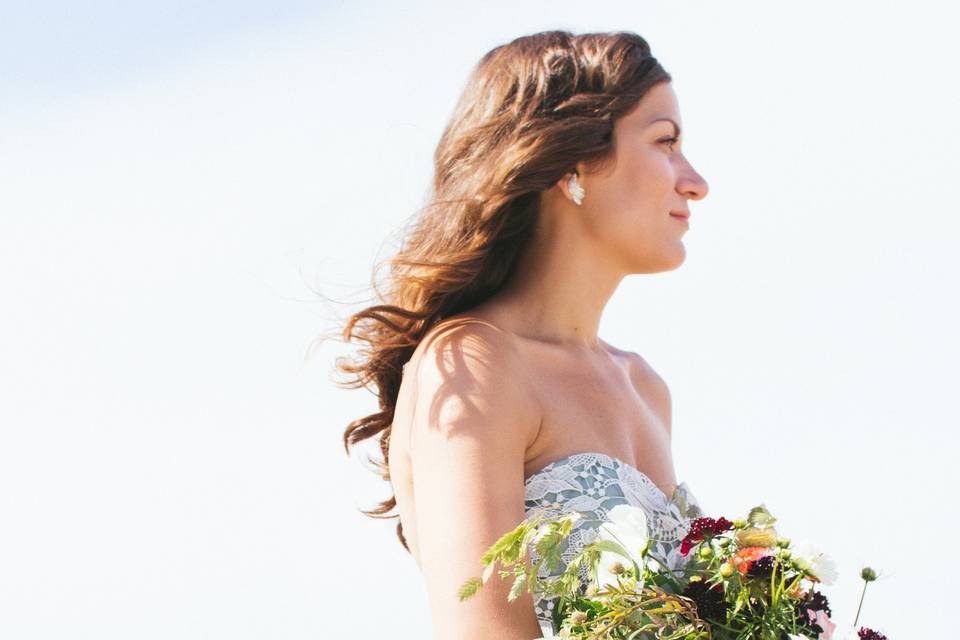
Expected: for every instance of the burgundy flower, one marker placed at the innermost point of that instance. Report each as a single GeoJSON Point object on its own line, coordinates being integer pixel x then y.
{"type": "Point", "coordinates": [701, 526]}
{"type": "Point", "coordinates": [813, 610]}
{"type": "Point", "coordinates": [761, 567]}
{"type": "Point", "coordinates": [709, 599]}
{"type": "Point", "coordinates": [870, 634]}
{"type": "Point", "coordinates": [816, 601]}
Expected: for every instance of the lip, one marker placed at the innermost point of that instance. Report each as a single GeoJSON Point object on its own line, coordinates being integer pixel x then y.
{"type": "Point", "coordinates": [680, 214]}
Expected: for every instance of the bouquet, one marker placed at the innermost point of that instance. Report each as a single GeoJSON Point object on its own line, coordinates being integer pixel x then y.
{"type": "Point", "coordinates": [742, 580]}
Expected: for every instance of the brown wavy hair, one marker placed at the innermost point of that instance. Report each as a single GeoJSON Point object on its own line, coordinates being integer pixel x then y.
{"type": "Point", "coordinates": [530, 111]}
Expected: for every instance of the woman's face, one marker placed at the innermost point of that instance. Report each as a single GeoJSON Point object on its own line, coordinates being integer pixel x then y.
{"type": "Point", "coordinates": [627, 207]}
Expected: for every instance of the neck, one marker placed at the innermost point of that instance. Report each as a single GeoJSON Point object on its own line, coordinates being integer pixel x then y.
{"type": "Point", "coordinates": [560, 286]}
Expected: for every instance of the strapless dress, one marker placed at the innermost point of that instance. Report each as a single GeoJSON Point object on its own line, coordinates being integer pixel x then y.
{"type": "Point", "coordinates": [593, 483]}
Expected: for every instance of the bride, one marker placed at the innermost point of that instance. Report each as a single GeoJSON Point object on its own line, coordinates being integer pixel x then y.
{"type": "Point", "coordinates": [560, 172]}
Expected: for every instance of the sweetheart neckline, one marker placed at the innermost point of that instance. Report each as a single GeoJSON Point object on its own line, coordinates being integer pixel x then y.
{"type": "Point", "coordinates": [669, 500]}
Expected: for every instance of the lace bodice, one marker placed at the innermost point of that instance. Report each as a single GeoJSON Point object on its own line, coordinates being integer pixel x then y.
{"type": "Point", "coordinates": [593, 483]}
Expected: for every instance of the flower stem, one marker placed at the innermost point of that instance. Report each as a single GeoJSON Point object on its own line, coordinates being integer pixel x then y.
{"type": "Point", "coordinates": [863, 593]}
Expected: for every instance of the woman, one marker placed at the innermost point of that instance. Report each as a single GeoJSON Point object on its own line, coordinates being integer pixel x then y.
{"type": "Point", "coordinates": [560, 172]}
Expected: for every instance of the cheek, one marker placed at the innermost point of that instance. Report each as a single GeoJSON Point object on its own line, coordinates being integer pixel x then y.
{"type": "Point", "coordinates": [638, 197]}
{"type": "Point", "coordinates": [653, 178]}
{"type": "Point", "coordinates": [643, 179]}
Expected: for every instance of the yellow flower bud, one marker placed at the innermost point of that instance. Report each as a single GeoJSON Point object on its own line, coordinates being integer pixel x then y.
{"type": "Point", "coordinates": [726, 570]}
{"type": "Point", "coordinates": [868, 574]}
{"type": "Point", "coordinates": [756, 537]}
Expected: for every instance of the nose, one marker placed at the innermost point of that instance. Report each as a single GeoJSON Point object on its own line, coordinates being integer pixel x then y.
{"type": "Point", "coordinates": [692, 185]}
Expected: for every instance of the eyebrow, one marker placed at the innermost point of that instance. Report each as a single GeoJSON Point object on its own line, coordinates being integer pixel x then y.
{"type": "Point", "coordinates": [676, 127]}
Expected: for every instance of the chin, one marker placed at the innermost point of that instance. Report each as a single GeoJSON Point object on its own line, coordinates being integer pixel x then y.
{"type": "Point", "coordinates": [681, 258]}
{"type": "Point", "coordinates": [666, 261]}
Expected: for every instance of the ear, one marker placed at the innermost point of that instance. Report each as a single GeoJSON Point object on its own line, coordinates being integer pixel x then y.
{"type": "Point", "coordinates": [562, 183]}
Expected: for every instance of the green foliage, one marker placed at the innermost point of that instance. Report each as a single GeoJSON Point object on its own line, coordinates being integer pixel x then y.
{"type": "Point", "coordinates": [469, 588]}
{"type": "Point", "coordinates": [517, 587]}
{"type": "Point", "coordinates": [646, 603]}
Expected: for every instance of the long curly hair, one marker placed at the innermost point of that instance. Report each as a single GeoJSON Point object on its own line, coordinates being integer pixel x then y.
{"type": "Point", "coordinates": [530, 111]}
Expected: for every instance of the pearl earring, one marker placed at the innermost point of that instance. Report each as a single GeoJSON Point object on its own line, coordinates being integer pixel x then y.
{"type": "Point", "coordinates": [576, 191]}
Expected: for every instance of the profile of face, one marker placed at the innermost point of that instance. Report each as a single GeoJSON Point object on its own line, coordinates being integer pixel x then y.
{"type": "Point", "coordinates": [627, 207]}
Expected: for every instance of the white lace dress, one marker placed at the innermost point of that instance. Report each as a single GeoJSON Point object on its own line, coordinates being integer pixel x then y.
{"type": "Point", "coordinates": [593, 483]}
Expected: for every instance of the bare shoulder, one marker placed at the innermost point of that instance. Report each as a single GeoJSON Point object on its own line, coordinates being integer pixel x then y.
{"type": "Point", "coordinates": [469, 366]}
{"type": "Point", "coordinates": [649, 384]}
{"type": "Point", "coordinates": [644, 371]}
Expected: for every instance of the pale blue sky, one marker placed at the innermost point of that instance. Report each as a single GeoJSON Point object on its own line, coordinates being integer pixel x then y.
{"type": "Point", "coordinates": [176, 181]}
{"type": "Point", "coordinates": [60, 48]}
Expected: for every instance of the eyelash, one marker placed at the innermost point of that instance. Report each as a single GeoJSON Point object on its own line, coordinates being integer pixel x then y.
{"type": "Point", "coordinates": [672, 141]}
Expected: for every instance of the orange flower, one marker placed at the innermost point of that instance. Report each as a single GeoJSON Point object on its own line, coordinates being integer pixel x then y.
{"type": "Point", "coordinates": [746, 557]}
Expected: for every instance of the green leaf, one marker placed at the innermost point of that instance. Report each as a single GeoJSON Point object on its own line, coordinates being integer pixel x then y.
{"type": "Point", "coordinates": [591, 557]}
{"type": "Point", "coordinates": [469, 588]}
{"type": "Point", "coordinates": [547, 542]}
{"type": "Point", "coordinates": [504, 547]}
{"type": "Point", "coordinates": [551, 556]}
{"type": "Point", "coordinates": [517, 587]}
{"type": "Point", "coordinates": [566, 525]}
{"type": "Point", "coordinates": [612, 546]}
{"type": "Point", "coordinates": [739, 603]}
{"type": "Point", "coordinates": [760, 517]}
{"type": "Point", "coordinates": [487, 571]}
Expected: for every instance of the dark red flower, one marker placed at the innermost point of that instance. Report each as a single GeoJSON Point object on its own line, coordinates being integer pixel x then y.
{"type": "Point", "coordinates": [762, 567]}
{"type": "Point", "coordinates": [870, 634]}
{"type": "Point", "coordinates": [701, 527]}
{"type": "Point", "coordinates": [808, 608]}
{"type": "Point", "coordinates": [816, 601]}
{"type": "Point", "coordinates": [709, 599]}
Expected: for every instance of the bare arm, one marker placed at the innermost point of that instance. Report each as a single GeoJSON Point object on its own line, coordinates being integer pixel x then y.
{"type": "Point", "coordinates": [473, 420]}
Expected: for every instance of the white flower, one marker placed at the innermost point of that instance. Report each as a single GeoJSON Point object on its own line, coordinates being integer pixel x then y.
{"type": "Point", "coordinates": [626, 525]}
{"type": "Point", "coordinates": [810, 557]}
{"type": "Point", "coordinates": [846, 634]}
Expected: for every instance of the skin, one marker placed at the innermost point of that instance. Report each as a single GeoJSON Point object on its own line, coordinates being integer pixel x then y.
{"type": "Point", "coordinates": [494, 394]}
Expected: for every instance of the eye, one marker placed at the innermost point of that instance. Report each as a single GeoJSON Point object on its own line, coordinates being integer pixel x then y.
{"type": "Point", "coordinates": [670, 142]}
